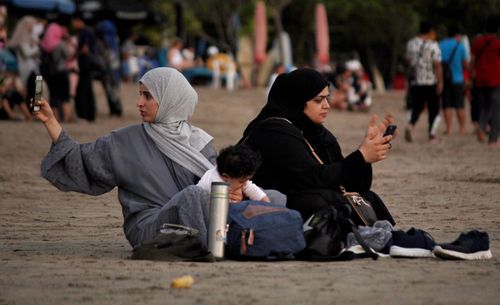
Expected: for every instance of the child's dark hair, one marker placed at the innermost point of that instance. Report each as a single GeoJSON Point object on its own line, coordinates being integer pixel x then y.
{"type": "Point", "coordinates": [238, 161]}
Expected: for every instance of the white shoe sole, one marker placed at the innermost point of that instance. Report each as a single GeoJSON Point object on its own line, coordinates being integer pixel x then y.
{"type": "Point", "coordinates": [409, 252]}
{"type": "Point", "coordinates": [450, 254]}
{"type": "Point", "coordinates": [358, 249]}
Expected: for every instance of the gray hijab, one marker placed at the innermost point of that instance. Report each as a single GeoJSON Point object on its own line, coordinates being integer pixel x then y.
{"type": "Point", "coordinates": [173, 135]}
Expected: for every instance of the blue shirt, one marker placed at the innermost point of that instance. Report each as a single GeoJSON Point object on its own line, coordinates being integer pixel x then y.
{"type": "Point", "coordinates": [447, 45]}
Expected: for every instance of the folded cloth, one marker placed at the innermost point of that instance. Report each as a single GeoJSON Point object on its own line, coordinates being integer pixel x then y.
{"type": "Point", "coordinates": [376, 236]}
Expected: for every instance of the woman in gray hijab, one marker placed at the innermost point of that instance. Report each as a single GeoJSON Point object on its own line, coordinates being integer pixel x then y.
{"type": "Point", "coordinates": [154, 164]}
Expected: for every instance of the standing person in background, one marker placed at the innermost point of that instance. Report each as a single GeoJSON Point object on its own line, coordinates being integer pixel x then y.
{"type": "Point", "coordinates": [486, 74]}
{"type": "Point", "coordinates": [24, 42]}
{"type": "Point", "coordinates": [72, 64]}
{"type": "Point", "coordinates": [455, 56]}
{"type": "Point", "coordinates": [223, 67]}
{"type": "Point", "coordinates": [107, 44]}
{"type": "Point", "coordinates": [85, 99]}
{"type": "Point", "coordinates": [55, 51]}
{"type": "Point", "coordinates": [424, 55]}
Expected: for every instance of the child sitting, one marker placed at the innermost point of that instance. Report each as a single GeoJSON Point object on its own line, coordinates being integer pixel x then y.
{"type": "Point", "coordinates": [236, 164]}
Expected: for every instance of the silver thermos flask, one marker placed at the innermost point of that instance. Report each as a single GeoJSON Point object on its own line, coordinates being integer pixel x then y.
{"type": "Point", "coordinates": [219, 205]}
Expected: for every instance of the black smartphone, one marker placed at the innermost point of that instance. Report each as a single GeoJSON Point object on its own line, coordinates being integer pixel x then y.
{"type": "Point", "coordinates": [38, 94]}
{"type": "Point", "coordinates": [390, 130]}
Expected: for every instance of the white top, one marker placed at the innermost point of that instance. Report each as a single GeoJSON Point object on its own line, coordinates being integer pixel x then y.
{"type": "Point", "coordinates": [250, 190]}
{"type": "Point", "coordinates": [422, 55]}
{"type": "Point", "coordinates": [176, 58]}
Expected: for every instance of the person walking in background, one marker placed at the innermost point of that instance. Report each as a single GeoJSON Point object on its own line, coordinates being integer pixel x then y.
{"type": "Point", "coordinates": [424, 55]}
{"type": "Point", "coordinates": [55, 51]}
{"type": "Point", "coordinates": [486, 74]}
{"type": "Point", "coordinates": [455, 58]}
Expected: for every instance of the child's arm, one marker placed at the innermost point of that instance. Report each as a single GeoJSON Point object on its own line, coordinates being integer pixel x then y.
{"type": "Point", "coordinates": [254, 192]}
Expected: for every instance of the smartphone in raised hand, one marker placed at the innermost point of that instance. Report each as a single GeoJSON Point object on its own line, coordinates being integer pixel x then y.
{"type": "Point", "coordinates": [33, 104]}
{"type": "Point", "coordinates": [390, 130]}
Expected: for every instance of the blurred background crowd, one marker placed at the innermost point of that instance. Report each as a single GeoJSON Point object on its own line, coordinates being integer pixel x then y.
{"type": "Point", "coordinates": [359, 45]}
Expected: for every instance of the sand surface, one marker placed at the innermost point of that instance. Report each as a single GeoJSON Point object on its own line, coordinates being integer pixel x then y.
{"type": "Point", "coordinates": [69, 248]}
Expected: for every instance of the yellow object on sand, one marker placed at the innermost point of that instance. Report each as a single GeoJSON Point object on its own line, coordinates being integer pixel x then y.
{"type": "Point", "coordinates": [182, 282]}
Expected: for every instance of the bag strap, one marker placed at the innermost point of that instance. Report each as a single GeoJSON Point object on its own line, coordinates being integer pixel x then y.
{"type": "Point", "coordinates": [420, 52]}
{"type": "Point", "coordinates": [453, 53]}
{"type": "Point", "coordinates": [360, 239]}
{"type": "Point", "coordinates": [263, 121]}
{"type": "Point", "coordinates": [348, 221]}
{"type": "Point", "coordinates": [314, 152]}
{"type": "Point", "coordinates": [342, 188]}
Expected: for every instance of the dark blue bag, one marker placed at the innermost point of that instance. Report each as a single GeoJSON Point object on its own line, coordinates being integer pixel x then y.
{"type": "Point", "coordinates": [263, 231]}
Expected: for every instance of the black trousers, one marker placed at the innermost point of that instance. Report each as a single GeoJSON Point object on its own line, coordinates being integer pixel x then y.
{"type": "Point", "coordinates": [420, 96]}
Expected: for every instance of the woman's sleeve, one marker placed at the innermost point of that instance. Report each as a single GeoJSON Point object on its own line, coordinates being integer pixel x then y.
{"type": "Point", "coordinates": [84, 168]}
{"type": "Point", "coordinates": [356, 173]}
{"type": "Point", "coordinates": [291, 156]}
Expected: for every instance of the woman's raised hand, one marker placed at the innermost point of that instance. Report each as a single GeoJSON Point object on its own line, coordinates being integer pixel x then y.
{"type": "Point", "coordinates": [46, 115]}
{"type": "Point", "coordinates": [375, 146]}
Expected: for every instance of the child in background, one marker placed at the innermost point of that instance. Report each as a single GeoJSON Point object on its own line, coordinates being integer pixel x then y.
{"type": "Point", "coordinates": [236, 164]}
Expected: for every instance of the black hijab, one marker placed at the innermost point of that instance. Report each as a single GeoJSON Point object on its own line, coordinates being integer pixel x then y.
{"type": "Point", "coordinates": [287, 98]}
{"type": "Point", "coordinates": [275, 104]}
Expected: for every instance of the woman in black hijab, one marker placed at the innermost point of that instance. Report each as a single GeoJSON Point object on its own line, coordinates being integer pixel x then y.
{"type": "Point", "coordinates": [300, 157]}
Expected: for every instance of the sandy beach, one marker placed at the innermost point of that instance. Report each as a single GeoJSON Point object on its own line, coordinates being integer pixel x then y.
{"type": "Point", "coordinates": [69, 248]}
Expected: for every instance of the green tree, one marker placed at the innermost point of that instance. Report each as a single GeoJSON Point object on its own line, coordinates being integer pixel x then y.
{"type": "Point", "coordinates": [374, 30]}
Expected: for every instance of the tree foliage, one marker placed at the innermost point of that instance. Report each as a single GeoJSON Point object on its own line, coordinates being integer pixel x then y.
{"type": "Point", "coordinates": [374, 30]}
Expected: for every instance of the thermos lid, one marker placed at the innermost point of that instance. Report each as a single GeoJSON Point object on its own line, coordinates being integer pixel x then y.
{"type": "Point", "coordinates": [219, 183]}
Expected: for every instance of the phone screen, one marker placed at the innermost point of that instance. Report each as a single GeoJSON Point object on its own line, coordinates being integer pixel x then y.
{"type": "Point", "coordinates": [390, 130]}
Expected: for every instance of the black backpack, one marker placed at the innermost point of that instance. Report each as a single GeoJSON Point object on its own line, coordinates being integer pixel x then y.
{"type": "Point", "coordinates": [326, 235]}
